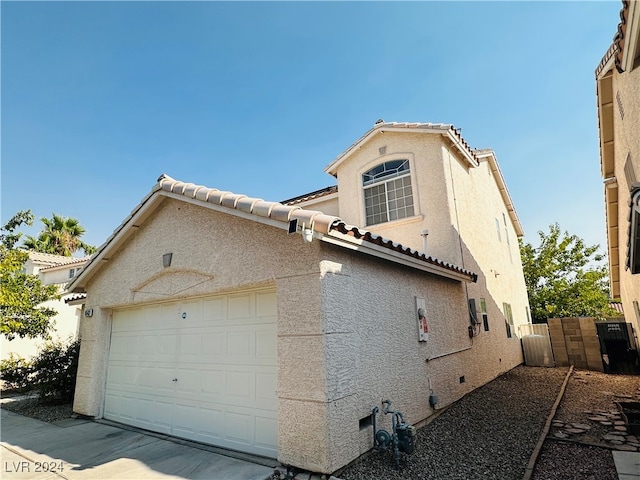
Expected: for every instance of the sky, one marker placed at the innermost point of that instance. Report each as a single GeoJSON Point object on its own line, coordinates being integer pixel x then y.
{"type": "Point", "coordinates": [98, 99]}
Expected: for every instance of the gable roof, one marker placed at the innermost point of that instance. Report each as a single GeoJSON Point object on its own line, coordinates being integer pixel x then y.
{"type": "Point", "coordinates": [447, 130]}
{"type": "Point", "coordinates": [324, 227]}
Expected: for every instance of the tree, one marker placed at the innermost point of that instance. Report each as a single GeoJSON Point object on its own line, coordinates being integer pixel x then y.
{"type": "Point", "coordinates": [564, 277]}
{"type": "Point", "coordinates": [60, 236]}
{"type": "Point", "coordinates": [21, 295]}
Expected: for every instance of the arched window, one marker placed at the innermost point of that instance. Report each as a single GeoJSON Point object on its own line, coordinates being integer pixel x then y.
{"type": "Point", "coordinates": [387, 192]}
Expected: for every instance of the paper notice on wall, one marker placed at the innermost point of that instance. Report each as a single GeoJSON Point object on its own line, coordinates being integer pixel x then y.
{"type": "Point", "coordinates": [421, 314]}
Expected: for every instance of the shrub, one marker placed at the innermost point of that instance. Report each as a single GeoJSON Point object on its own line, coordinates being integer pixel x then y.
{"type": "Point", "coordinates": [55, 369]}
{"type": "Point", "coordinates": [16, 373]}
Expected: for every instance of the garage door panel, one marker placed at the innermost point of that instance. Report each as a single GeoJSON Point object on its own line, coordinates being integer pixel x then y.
{"type": "Point", "coordinates": [266, 345]}
{"type": "Point", "coordinates": [239, 427]}
{"type": "Point", "coordinates": [223, 355]}
{"type": "Point", "coordinates": [186, 420]}
{"type": "Point", "coordinates": [241, 306]}
{"type": "Point", "coordinates": [240, 387]}
{"type": "Point", "coordinates": [189, 381]}
{"type": "Point", "coordinates": [266, 385]}
{"type": "Point", "coordinates": [266, 305]}
{"type": "Point", "coordinates": [214, 309]}
{"type": "Point", "coordinates": [266, 432]}
{"type": "Point", "coordinates": [240, 344]}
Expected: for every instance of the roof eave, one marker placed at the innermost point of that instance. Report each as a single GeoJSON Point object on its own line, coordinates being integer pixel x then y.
{"type": "Point", "coordinates": [359, 245]}
{"type": "Point", "coordinates": [120, 234]}
{"type": "Point", "coordinates": [504, 191]}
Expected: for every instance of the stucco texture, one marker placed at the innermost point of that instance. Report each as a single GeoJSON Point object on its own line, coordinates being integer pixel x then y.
{"type": "Point", "coordinates": [373, 352]}
{"type": "Point", "coordinates": [459, 205]}
{"type": "Point", "coordinates": [626, 120]}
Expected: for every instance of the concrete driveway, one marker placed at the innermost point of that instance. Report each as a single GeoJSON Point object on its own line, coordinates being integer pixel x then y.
{"type": "Point", "coordinates": [82, 449]}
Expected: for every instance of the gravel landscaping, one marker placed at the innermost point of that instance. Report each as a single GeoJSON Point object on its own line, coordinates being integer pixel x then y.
{"type": "Point", "coordinates": [30, 407]}
{"type": "Point", "coordinates": [585, 453]}
{"type": "Point", "coordinates": [488, 434]}
{"type": "Point", "coordinates": [492, 432]}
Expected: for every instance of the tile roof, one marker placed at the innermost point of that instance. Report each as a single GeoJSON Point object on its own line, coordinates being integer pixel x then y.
{"type": "Point", "coordinates": [54, 260]}
{"type": "Point", "coordinates": [383, 242]}
{"type": "Point", "coordinates": [617, 306]}
{"type": "Point", "coordinates": [272, 213]}
{"type": "Point", "coordinates": [76, 298]}
{"type": "Point", "coordinates": [318, 221]}
{"type": "Point", "coordinates": [619, 38]}
{"type": "Point", "coordinates": [616, 49]}
{"type": "Point", "coordinates": [455, 134]}
{"type": "Point", "coordinates": [323, 192]}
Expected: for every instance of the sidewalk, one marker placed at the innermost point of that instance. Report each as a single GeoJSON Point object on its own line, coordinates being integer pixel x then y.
{"type": "Point", "coordinates": [82, 449]}
{"type": "Point", "coordinates": [627, 465]}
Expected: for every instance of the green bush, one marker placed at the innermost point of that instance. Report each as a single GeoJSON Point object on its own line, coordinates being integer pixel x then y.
{"type": "Point", "coordinates": [16, 373]}
{"type": "Point", "coordinates": [55, 369]}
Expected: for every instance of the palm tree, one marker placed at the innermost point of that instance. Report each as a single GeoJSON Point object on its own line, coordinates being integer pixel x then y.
{"type": "Point", "coordinates": [60, 236]}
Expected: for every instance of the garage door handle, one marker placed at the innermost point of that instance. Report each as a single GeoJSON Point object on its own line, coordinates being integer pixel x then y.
{"type": "Point", "coordinates": [174, 380]}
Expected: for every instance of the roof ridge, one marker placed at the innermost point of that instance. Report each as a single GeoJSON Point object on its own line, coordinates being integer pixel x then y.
{"type": "Point", "coordinates": [317, 220]}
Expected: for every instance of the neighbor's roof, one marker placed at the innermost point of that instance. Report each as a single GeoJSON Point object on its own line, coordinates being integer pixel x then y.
{"type": "Point", "coordinates": [326, 228]}
{"type": "Point", "coordinates": [53, 260]}
{"type": "Point", "coordinates": [617, 306]}
{"type": "Point", "coordinates": [445, 129]}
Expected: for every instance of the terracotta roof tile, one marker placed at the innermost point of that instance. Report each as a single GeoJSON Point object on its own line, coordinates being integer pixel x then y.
{"type": "Point", "coordinates": [390, 244]}
{"type": "Point", "coordinates": [320, 222]}
{"type": "Point", "coordinates": [76, 297]}
{"type": "Point", "coordinates": [54, 260]}
{"type": "Point", "coordinates": [619, 40]}
{"type": "Point", "coordinates": [284, 213]}
{"type": "Point", "coordinates": [323, 192]}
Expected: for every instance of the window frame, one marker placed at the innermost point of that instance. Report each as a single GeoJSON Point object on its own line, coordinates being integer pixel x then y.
{"type": "Point", "coordinates": [508, 319]}
{"type": "Point", "coordinates": [383, 181]}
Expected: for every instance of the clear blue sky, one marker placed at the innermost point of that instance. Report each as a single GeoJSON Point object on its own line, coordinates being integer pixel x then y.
{"type": "Point", "coordinates": [100, 98]}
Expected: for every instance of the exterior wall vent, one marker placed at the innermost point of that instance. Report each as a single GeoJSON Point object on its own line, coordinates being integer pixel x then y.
{"type": "Point", "coordinates": [620, 107]}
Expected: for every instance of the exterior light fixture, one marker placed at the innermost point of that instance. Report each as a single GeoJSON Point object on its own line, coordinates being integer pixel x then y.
{"type": "Point", "coordinates": [166, 259]}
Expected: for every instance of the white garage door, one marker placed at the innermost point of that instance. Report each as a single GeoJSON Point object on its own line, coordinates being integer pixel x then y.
{"type": "Point", "coordinates": [202, 369]}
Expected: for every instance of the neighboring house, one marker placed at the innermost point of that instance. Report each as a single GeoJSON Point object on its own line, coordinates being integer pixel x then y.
{"type": "Point", "coordinates": [618, 84]}
{"type": "Point", "coordinates": [52, 270]}
{"type": "Point", "coordinates": [209, 317]}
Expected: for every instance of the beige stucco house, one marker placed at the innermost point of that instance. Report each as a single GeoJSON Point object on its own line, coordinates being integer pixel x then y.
{"type": "Point", "coordinates": [275, 328]}
{"type": "Point", "coordinates": [618, 89]}
{"type": "Point", "coordinates": [52, 270]}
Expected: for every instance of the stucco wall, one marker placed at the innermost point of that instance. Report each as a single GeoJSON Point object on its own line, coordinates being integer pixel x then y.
{"type": "Point", "coordinates": [458, 205]}
{"type": "Point", "coordinates": [494, 255]}
{"type": "Point", "coordinates": [626, 99]}
{"type": "Point", "coordinates": [430, 191]}
{"type": "Point", "coordinates": [347, 327]}
{"type": "Point", "coordinates": [373, 352]}
{"type": "Point", "coordinates": [216, 253]}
